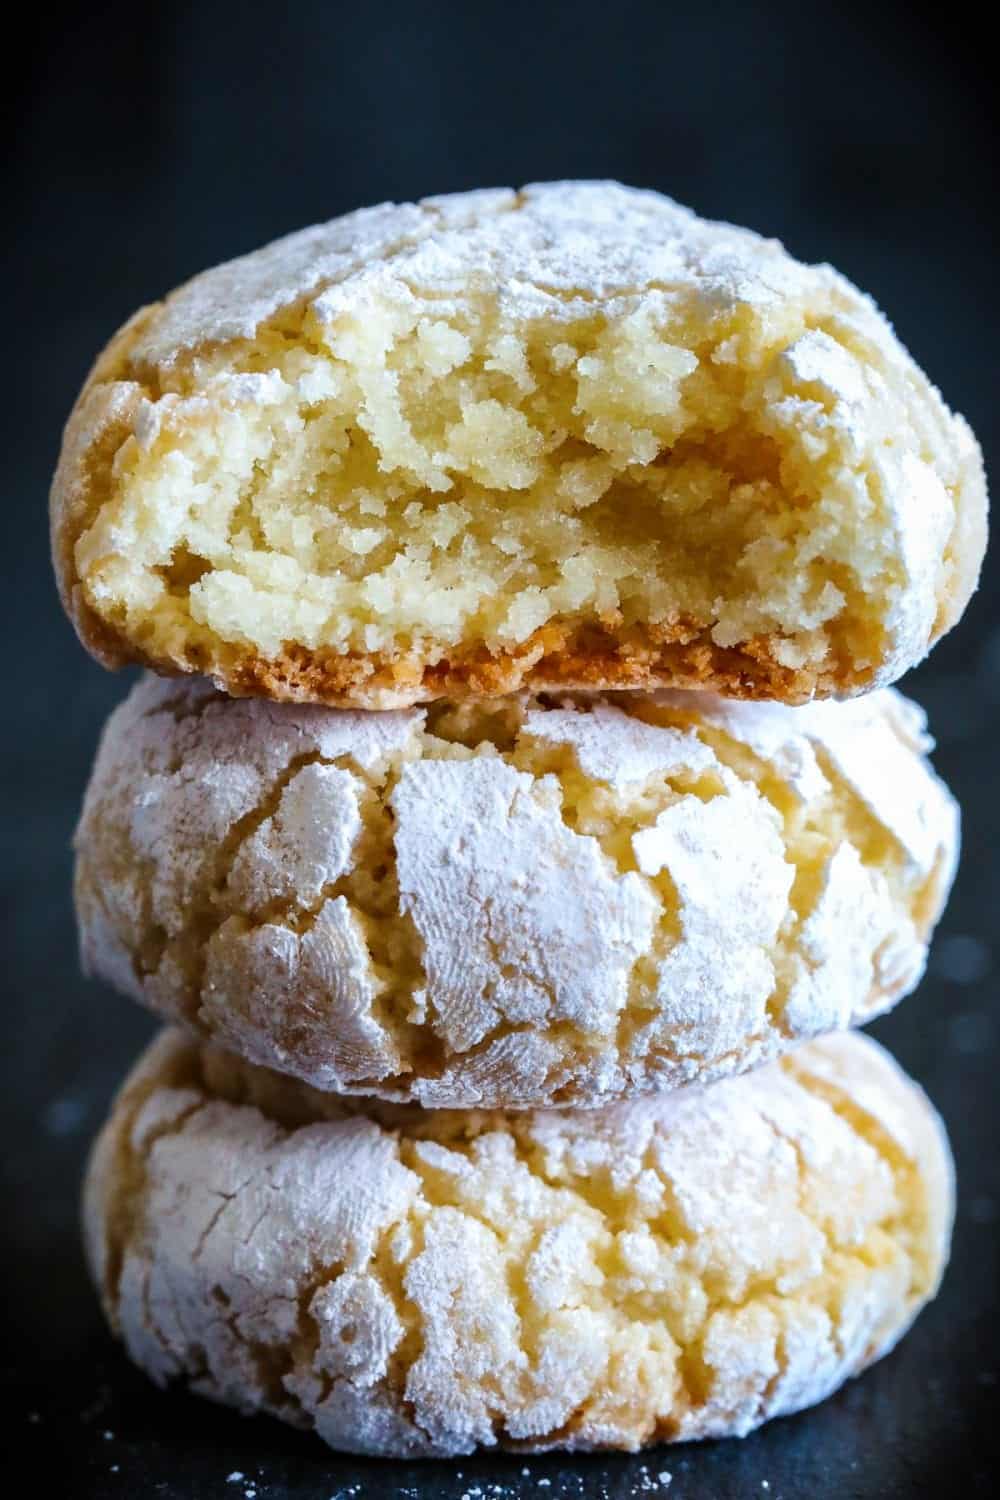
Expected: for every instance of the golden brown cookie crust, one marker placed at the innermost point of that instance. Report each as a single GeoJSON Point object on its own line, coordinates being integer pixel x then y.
{"type": "Point", "coordinates": [648, 657]}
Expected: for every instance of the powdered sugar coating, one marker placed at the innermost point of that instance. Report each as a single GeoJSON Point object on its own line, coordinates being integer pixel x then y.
{"type": "Point", "coordinates": [516, 904]}
{"type": "Point", "coordinates": [553, 947]}
{"type": "Point", "coordinates": [414, 1283]}
{"type": "Point", "coordinates": [627, 755]}
{"type": "Point", "coordinates": [733, 894]}
{"type": "Point", "coordinates": [859, 741]}
{"type": "Point", "coordinates": [554, 246]}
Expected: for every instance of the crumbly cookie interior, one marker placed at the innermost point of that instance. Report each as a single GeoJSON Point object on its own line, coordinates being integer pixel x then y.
{"type": "Point", "coordinates": [419, 476]}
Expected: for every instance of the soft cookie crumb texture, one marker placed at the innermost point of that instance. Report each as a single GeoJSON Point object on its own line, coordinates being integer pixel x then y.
{"type": "Point", "coordinates": [533, 901]}
{"type": "Point", "coordinates": [418, 1282]}
{"type": "Point", "coordinates": [568, 432]}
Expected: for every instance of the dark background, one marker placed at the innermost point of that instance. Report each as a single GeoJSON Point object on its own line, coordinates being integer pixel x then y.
{"type": "Point", "coordinates": [146, 143]}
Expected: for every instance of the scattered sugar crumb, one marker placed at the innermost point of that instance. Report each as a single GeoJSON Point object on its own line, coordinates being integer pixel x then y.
{"type": "Point", "coordinates": [648, 1482]}
{"type": "Point", "coordinates": [234, 1477]}
{"type": "Point", "coordinates": [108, 1436]}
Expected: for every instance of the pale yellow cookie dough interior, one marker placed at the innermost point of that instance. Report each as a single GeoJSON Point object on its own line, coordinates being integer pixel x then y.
{"type": "Point", "coordinates": [406, 478]}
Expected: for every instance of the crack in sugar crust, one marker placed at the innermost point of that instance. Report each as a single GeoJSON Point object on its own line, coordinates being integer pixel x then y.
{"type": "Point", "coordinates": [417, 1283]}
{"type": "Point", "coordinates": [575, 436]}
{"type": "Point", "coordinates": [513, 903]}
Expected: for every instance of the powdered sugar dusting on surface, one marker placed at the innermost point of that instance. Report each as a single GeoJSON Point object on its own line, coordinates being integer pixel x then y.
{"type": "Point", "coordinates": [726, 860]}
{"type": "Point", "coordinates": [611, 746]}
{"type": "Point", "coordinates": [553, 946]}
{"type": "Point", "coordinates": [551, 249]}
{"type": "Point", "coordinates": [601, 906]}
{"type": "Point", "coordinates": [333, 1270]}
{"type": "Point", "coordinates": [866, 744]}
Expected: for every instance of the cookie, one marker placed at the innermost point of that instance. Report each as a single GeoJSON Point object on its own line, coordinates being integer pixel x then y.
{"type": "Point", "coordinates": [411, 1282]}
{"type": "Point", "coordinates": [572, 437]}
{"type": "Point", "coordinates": [511, 903]}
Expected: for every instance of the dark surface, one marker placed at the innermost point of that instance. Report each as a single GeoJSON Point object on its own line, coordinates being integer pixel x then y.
{"type": "Point", "coordinates": [146, 146]}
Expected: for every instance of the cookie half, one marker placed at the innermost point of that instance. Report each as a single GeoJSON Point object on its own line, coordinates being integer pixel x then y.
{"type": "Point", "coordinates": [510, 903]}
{"type": "Point", "coordinates": [570, 437]}
{"type": "Point", "coordinates": [412, 1282]}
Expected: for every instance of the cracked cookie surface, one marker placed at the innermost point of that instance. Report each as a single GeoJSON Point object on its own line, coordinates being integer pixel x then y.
{"type": "Point", "coordinates": [416, 1282]}
{"type": "Point", "coordinates": [515, 903]}
{"type": "Point", "coordinates": [574, 436]}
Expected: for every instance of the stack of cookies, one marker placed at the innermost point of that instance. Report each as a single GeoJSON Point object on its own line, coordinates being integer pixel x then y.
{"type": "Point", "coordinates": [491, 837]}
